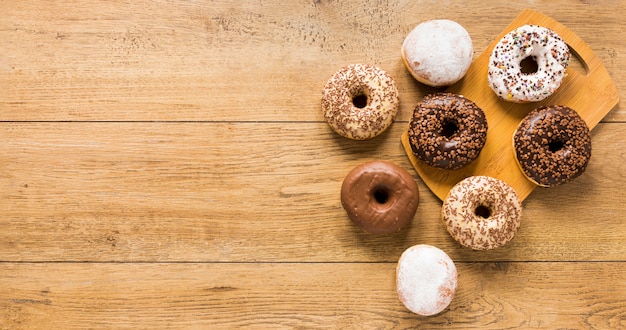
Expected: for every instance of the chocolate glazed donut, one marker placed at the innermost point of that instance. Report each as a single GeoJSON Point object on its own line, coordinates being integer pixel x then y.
{"type": "Point", "coordinates": [447, 131]}
{"type": "Point", "coordinates": [552, 145]}
{"type": "Point", "coordinates": [379, 197]}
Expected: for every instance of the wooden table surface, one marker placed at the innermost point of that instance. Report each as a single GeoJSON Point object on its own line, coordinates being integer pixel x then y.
{"type": "Point", "coordinates": [166, 164]}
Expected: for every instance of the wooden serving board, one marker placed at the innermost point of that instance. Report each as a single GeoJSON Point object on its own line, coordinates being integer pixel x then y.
{"type": "Point", "coordinates": [592, 95]}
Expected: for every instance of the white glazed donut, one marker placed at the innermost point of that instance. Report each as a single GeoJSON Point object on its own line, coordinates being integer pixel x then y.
{"type": "Point", "coordinates": [528, 64]}
{"type": "Point", "coordinates": [438, 52]}
{"type": "Point", "coordinates": [426, 279]}
{"type": "Point", "coordinates": [360, 101]}
{"type": "Point", "coordinates": [482, 212]}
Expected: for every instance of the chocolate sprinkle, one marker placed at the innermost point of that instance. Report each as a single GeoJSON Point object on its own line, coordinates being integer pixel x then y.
{"type": "Point", "coordinates": [459, 212]}
{"type": "Point", "coordinates": [552, 145]}
{"type": "Point", "coordinates": [447, 131]}
{"type": "Point", "coordinates": [360, 121]}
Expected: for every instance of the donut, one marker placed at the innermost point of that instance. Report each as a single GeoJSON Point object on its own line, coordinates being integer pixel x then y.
{"type": "Point", "coordinates": [437, 52]}
{"type": "Point", "coordinates": [360, 101]}
{"type": "Point", "coordinates": [379, 197]}
{"type": "Point", "coordinates": [552, 145]}
{"type": "Point", "coordinates": [528, 64]}
{"type": "Point", "coordinates": [447, 131]}
{"type": "Point", "coordinates": [482, 212]}
{"type": "Point", "coordinates": [426, 279]}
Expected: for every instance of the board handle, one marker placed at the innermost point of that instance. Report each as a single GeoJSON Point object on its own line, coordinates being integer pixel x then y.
{"type": "Point", "coordinates": [596, 74]}
{"type": "Point", "coordinates": [578, 47]}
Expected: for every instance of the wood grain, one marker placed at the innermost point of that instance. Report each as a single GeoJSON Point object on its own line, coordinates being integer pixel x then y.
{"type": "Point", "coordinates": [165, 164]}
{"type": "Point", "coordinates": [167, 192]}
{"type": "Point", "coordinates": [181, 61]}
{"type": "Point", "coordinates": [579, 295]}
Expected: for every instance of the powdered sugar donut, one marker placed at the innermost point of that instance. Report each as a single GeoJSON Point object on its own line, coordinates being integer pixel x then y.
{"type": "Point", "coordinates": [528, 64]}
{"type": "Point", "coordinates": [426, 279]}
{"type": "Point", "coordinates": [438, 52]}
{"type": "Point", "coordinates": [360, 101]}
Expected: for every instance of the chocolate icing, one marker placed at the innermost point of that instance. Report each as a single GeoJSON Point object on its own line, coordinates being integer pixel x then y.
{"type": "Point", "coordinates": [552, 145]}
{"type": "Point", "coordinates": [447, 131]}
{"type": "Point", "coordinates": [379, 197]}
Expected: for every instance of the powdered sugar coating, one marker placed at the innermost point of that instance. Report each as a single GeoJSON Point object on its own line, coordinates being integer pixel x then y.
{"type": "Point", "coordinates": [438, 52]}
{"type": "Point", "coordinates": [545, 47]}
{"type": "Point", "coordinates": [490, 228]}
{"type": "Point", "coordinates": [375, 88]}
{"type": "Point", "coordinates": [426, 279]}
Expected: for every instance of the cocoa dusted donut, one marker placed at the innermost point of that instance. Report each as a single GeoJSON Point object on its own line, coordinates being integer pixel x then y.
{"type": "Point", "coordinates": [482, 212]}
{"type": "Point", "coordinates": [552, 145]}
{"type": "Point", "coordinates": [360, 101]}
{"type": "Point", "coordinates": [528, 64]}
{"type": "Point", "coordinates": [426, 279]}
{"type": "Point", "coordinates": [447, 131]}
{"type": "Point", "coordinates": [379, 197]}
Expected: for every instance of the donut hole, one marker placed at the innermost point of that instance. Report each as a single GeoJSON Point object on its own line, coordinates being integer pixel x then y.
{"type": "Point", "coordinates": [529, 65]}
{"type": "Point", "coordinates": [360, 100]}
{"type": "Point", "coordinates": [482, 211]}
{"type": "Point", "coordinates": [556, 145]}
{"type": "Point", "coordinates": [449, 128]}
{"type": "Point", "coordinates": [381, 195]}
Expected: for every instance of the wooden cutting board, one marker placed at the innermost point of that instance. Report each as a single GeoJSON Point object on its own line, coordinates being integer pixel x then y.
{"type": "Point", "coordinates": [592, 95]}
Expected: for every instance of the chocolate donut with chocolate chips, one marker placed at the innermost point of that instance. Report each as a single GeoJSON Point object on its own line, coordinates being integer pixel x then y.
{"type": "Point", "coordinates": [379, 197]}
{"type": "Point", "coordinates": [447, 131]}
{"type": "Point", "coordinates": [552, 145]}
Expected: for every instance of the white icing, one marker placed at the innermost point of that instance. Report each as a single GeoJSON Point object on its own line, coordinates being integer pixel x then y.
{"type": "Point", "coordinates": [549, 51]}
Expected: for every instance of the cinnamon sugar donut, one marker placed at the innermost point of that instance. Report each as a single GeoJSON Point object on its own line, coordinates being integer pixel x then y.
{"type": "Point", "coordinates": [482, 212]}
{"type": "Point", "coordinates": [528, 64]}
{"type": "Point", "coordinates": [379, 197]}
{"type": "Point", "coordinates": [552, 145]}
{"type": "Point", "coordinates": [447, 131]}
{"type": "Point", "coordinates": [426, 279]}
{"type": "Point", "coordinates": [360, 101]}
